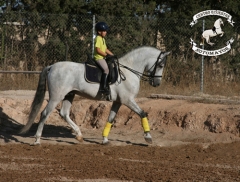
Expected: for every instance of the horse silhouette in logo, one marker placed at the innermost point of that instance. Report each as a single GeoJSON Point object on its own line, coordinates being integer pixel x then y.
{"type": "Point", "coordinates": [216, 30]}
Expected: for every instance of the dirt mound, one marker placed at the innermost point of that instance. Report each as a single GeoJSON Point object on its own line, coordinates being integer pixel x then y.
{"type": "Point", "coordinates": [169, 119]}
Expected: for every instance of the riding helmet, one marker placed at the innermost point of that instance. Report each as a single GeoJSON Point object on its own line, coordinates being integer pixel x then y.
{"type": "Point", "coordinates": [101, 26]}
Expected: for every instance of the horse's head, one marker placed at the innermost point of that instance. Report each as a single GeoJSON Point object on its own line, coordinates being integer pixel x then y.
{"type": "Point", "coordinates": [218, 23]}
{"type": "Point", "coordinates": [156, 70]}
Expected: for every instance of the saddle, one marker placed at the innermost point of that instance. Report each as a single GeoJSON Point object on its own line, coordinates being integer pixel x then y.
{"type": "Point", "coordinates": [214, 29]}
{"type": "Point", "coordinates": [93, 71]}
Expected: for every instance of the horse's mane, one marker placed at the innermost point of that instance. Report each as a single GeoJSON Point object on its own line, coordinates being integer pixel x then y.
{"type": "Point", "coordinates": [134, 51]}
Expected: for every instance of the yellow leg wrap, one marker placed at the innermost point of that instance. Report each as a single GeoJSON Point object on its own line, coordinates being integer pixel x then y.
{"type": "Point", "coordinates": [106, 130]}
{"type": "Point", "coordinates": [145, 124]}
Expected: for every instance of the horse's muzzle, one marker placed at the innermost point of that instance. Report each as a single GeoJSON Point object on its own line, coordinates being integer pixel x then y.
{"type": "Point", "coordinates": [155, 82]}
{"type": "Point", "coordinates": [156, 85]}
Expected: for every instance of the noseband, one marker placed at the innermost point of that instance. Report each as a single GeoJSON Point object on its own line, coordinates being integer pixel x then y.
{"type": "Point", "coordinates": [152, 73]}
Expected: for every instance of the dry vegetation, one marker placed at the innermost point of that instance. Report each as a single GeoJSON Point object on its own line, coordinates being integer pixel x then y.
{"type": "Point", "coordinates": [29, 82]}
{"type": "Point", "coordinates": [180, 78]}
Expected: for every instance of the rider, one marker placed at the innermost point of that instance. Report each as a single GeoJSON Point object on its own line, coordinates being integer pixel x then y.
{"type": "Point", "coordinates": [101, 52]}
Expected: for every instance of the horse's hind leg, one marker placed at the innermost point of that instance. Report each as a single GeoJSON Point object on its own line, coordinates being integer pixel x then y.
{"type": "Point", "coordinates": [65, 112]}
{"type": "Point", "coordinates": [133, 105]}
{"type": "Point", "coordinates": [114, 109]}
{"type": "Point", "coordinates": [44, 115]}
{"type": "Point", "coordinates": [208, 41]}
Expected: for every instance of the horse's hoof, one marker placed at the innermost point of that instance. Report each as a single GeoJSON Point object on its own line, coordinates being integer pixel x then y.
{"type": "Point", "coordinates": [35, 144]}
{"type": "Point", "coordinates": [105, 141]}
{"type": "Point", "coordinates": [148, 140]}
{"type": "Point", "coordinates": [148, 137]}
{"type": "Point", "coordinates": [79, 138]}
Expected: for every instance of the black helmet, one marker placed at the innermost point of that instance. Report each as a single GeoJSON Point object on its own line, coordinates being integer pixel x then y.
{"type": "Point", "coordinates": [101, 26]}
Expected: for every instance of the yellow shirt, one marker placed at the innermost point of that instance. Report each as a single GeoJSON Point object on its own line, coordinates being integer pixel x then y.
{"type": "Point", "coordinates": [100, 43]}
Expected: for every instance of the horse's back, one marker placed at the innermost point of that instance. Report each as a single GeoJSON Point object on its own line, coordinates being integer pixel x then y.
{"type": "Point", "coordinates": [66, 73]}
{"type": "Point", "coordinates": [67, 65]}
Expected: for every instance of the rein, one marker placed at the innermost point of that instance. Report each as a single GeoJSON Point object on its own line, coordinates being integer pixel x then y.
{"type": "Point", "coordinates": [144, 77]}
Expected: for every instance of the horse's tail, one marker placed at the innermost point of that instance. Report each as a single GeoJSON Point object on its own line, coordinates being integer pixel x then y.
{"type": "Point", "coordinates": [202, 40]}
{"type": "Point", "coordinates": [37, 101]}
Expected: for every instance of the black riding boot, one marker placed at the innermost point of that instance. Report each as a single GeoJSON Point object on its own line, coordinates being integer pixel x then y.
{"type": "Point", "coordinates": [104, 84]}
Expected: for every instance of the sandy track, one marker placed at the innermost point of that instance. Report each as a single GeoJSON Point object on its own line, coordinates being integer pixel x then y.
{"type": "Point", "coordinates": [192, 141]}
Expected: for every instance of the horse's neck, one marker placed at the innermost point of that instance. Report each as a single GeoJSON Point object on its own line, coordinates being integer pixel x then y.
{"type": "Point", "coordinates": [135, 61]}
{"type": "Point", "coordinates": [217, 24]}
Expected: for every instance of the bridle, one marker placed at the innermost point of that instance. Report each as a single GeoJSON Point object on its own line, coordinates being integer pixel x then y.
{"type": "Point", "coordinates": [145, 77]}
{"type": "Point", "coordinates": [152, 73]}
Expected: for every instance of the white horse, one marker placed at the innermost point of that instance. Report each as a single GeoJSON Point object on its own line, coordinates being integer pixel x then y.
{"type": "Point", "coordinates": [216, 30]}
{"type": "Point", "coordinates": [65, 79]}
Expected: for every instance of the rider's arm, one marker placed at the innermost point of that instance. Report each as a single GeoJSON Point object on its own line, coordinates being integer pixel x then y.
{"type": "Point", "coordinates": [99, 51]}
{"type": "Point", "coordinates": [109, 52]}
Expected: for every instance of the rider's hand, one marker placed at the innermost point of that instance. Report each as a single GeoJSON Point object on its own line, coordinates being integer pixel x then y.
{"type": "Point", "coordinates": [108, 56]}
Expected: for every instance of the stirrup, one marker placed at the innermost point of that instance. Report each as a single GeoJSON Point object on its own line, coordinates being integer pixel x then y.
{"type": "Point", "coordinates": [105, 96]}
{"type": "Point", "coordinates": [108, 97]}
{"type": "Point", "coordinates": [105, 91]}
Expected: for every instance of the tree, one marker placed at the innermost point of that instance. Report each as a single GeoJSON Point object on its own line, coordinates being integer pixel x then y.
{"type": "Point", "coordinates": [57, 6]}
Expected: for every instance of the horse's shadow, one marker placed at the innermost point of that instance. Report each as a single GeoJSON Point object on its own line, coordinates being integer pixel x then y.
{"type": "Point", "coordinates": [93, 140]}
{"type": "Point", "coordinates": [10, 128]}
{"type": "Point", "coordinates": [51, 133]}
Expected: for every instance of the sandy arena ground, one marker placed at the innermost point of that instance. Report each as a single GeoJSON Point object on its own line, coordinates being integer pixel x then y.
{"type": "Point", "coordinates": [193, 140]}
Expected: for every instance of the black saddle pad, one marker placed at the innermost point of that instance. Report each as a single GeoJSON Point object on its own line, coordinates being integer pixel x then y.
{"type": "Point", "coordinates": [93, 73]}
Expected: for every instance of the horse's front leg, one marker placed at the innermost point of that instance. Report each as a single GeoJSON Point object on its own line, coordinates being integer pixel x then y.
{"type": "Point", "coordinates": [221, 34]}
{"type": "Point", "coordinates": [133, 105]}
{"type": "Point", "coordinates": [107, 128]}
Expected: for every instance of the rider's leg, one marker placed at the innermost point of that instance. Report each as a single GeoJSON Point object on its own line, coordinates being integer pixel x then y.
{"type": "Point", "coordinates": [104, 80]}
